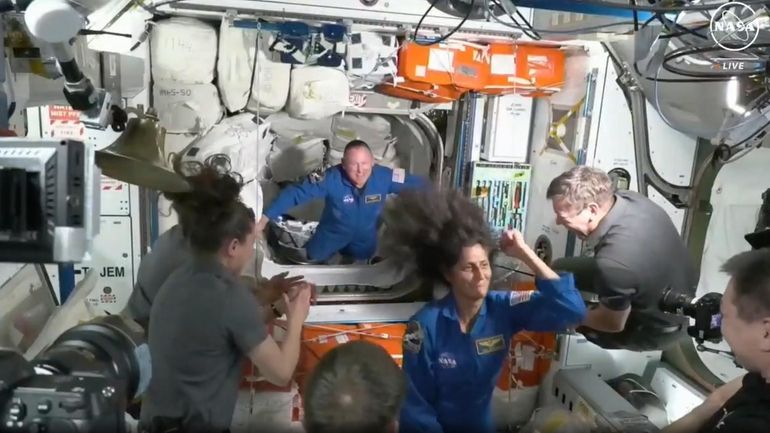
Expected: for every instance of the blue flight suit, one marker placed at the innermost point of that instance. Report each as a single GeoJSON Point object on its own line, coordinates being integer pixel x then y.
{"type": "Point", "coordinates": [451, 375]}
{"type": "Point", "coordinates": [349, 221]}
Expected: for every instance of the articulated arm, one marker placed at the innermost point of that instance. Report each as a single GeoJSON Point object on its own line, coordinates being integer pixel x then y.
{"type": "Point", "coordinates": [57, 22]}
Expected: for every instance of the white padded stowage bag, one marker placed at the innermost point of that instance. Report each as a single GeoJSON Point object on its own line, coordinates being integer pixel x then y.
{"type": "Point", "coordinates": [183, 50]}
{"type": "Point", "coordinates": [317, 92]}
{"type": "Point", "coordinates": [371, 58]}
{"type": "Point", "coordinates": [241, 139]}
{"type": "Point", "coordinates": [235, 64]}
{"type": "Point", "coordinates": [270, 86]}
{"type": "Point", "coordinates": [187, 108]}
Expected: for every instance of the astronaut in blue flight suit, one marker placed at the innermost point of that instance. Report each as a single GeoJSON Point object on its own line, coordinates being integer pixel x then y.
{"type": "Point", "coordinates": [454, 347]}
{"type": "Point", "coordinates": [354, 193]}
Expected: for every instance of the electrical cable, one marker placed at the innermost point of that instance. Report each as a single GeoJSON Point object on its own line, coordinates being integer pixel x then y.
{"type": "Point", "coordinates": [686, 51]}
{"type": "Point", "coordinates": [529, 29]}
{"type": "Point", "coordinates": [443, 37]}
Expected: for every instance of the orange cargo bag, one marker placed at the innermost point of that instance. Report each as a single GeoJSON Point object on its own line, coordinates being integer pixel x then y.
{"type": "Point", "coordinates": [530, 355]}
{"type": "Point", "coordinates": [453, 63]}
{"type": "Point", "coordinates": [317, 340]}
{"type": "Point", "coordinates": [423, 92]}
{"type": "Point", "coordinates": [526, 69]}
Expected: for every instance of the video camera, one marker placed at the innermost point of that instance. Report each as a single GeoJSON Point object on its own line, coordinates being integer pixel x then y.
{"type": "Point", "coordinates": [706, 312]}
{"type": "Point", "coordinates": [81, 384]}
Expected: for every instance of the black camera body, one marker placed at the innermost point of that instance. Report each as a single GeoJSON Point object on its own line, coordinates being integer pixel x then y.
{"type": "Point", "coordinates": [71, 404]}
{"type": "Point", "coordinates": [706, 312]}
{"type": "Point", "coordinates": [82, 383]}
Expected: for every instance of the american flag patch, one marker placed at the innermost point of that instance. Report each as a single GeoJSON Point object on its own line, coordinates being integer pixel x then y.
{"type": "Point", "coordinates": [519, 297]}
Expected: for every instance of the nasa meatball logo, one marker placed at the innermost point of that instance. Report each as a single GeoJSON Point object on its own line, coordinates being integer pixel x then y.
{"type": "Point", "coordinates": [735, 26]}
{"type": "Point", "coordinates": [348, 199]}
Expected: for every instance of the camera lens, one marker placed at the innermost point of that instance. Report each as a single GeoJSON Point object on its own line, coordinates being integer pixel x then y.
{"type": "Point", "coordinates": [673, 302]}
{"type": "Point", "coordinates": [107, 347]}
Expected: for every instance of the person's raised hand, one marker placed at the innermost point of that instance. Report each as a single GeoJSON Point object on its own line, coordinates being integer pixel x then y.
{"type": "Point", "coordinates": [512, 243]}
{"type": "Point", "coordinates": [277, 285]}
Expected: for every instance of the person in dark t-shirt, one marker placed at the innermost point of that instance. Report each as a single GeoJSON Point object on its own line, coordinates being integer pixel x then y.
{"type": "Point", "coordinates": [743, 404]}
{"type": "Point", "coordinates": [633, 254]}
{"type": "Point", "coordinates": [205, 320]}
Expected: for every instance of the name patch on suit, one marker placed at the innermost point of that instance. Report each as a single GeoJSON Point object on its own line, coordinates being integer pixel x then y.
{"type": "Point", "coordinates": [399, 175]}
{"type": "Point", "coordinates": [489, 345]}
{"type": "Point", "coordinates": [521, 297]}
{"type": "Point", "coordinates": [373, 198]}
{"type": "Point", "coordinates": [413, 337]}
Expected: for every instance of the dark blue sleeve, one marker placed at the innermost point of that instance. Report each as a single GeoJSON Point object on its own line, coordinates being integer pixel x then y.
{"type": "Point", "coordinates": [555, 306]}
{"type": "Point", "coordinates": [418, 414]}
{"type": "Point", "coordinates": [296, 195]}
{"type": "Point", "coordinates": [409, 181]}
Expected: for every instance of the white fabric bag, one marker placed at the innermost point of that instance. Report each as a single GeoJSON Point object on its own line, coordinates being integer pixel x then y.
{"type": "Point", "coordinates": [317, 92]}
{"type": "Point", "coordinates": [270, 86]}
{"type": "Point", "coordinates": [183, 50]}
{"type": "Point", "coordinates": [235, 64]}
{"type": "Point", "coordinates": [371, 58]}
{"type": "Point", "coordinates": [187, 108]}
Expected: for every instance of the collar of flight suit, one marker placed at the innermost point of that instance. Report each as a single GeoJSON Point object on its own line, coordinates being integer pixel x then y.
{"type": "Point", "coordinates": [449, 308]}
{"type": "Point", "coordinates": [613, 216]}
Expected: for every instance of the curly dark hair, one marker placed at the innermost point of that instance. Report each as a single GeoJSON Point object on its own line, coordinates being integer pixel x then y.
{"type": "Point", "coordinates": [430, 227]}
{"type": "Point", "coordinates": [211, 212]}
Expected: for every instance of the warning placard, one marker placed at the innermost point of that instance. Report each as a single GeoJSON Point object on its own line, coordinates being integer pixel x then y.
{"type": "Point", "coordinates": [64, 122]}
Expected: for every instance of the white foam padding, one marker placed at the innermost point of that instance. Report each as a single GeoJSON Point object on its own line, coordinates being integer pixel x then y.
{"type": "Point", "coordinates": [370, 58]}
{"type": "Point", "coordinates": [317, 92]}
{"type": "Point", "coordinates": [187, 108]}
{"type": "Point", "coordinates": [736, 198]}
{"type": "Point", "coordinates": [235, 64]}
{"type": "Point", "coordinates": [183, 50]}
{"type": "Point", "coordinates": [270, 85]}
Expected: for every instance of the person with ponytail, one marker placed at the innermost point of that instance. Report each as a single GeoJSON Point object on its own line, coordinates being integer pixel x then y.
{"type": "Point", "coordinates": [454, 347]}
{"type": "Point", "coordinates": [204, 320]}
{"type": "Point", "coordinates": [172, 249]}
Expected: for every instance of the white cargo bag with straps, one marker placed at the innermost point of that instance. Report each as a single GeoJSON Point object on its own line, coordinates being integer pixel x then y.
{"type": "Point", "coordinates": [317, 92]}
{"type": "Point", "coordinates": [187, 108]}
{"type": "Point", "coordinates": [235, 64]}
{"type": "Point", "coordinates": [371, 58]}
{"type": "Point", "coordinates": [183, 50]}
{"type": "Point", "coordinates": [270, 86]}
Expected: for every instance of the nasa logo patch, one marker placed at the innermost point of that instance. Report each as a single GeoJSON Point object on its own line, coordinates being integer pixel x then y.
{"type": "Point", "coordinates": [348, 199]}
{"type": "Point", "coordinates": [413, 337]}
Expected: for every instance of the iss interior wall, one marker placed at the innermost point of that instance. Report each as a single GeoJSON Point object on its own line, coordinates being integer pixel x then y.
{"type": "Point", "coordinates": [117, 248]}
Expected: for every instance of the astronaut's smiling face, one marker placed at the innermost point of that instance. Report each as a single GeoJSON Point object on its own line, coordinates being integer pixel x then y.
{"type": "Point", "coordinates": [471, 275]}
{"type": "Point", "coordinates": [358, 163]}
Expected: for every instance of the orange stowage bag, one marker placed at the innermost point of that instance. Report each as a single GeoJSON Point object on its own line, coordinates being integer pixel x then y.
{"type": "Point", "coordinates": [525, 69]}
{"type": "Point", "coordinates": [317, 340]}
{"type": "Point", "coordinates": [529, 359]}
{"type": "Point", "coordinates": [453, 63]}
{"type": "Point", "coordinates": [423, 92]}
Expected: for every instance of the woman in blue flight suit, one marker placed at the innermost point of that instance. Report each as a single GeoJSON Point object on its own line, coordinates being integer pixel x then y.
{"type": "Point", "coordinates": [454, 347]}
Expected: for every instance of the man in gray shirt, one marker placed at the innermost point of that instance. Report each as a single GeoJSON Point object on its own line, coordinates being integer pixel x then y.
{"type": "Point", "coordinates": [633, 253]}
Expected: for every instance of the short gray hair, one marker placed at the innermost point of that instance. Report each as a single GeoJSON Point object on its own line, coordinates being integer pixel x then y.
{"type": "Point", "coordinates": [356, 387]}
{"type": "Point", "coordinates": [581, 185]}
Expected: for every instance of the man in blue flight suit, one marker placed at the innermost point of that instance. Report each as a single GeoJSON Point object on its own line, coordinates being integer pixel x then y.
{"type": "Point", "coordinates": [354, 193]}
